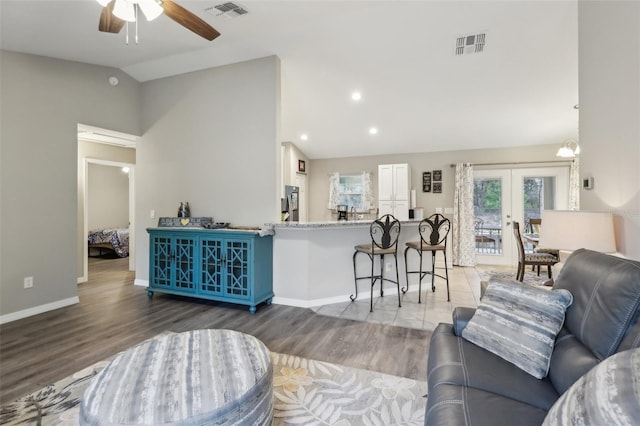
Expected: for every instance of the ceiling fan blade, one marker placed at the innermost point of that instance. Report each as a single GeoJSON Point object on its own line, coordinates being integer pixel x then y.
{"type": "Point", "coordinates": [109, 23]}
{"type": "Point", "coordinates": [188, 20]}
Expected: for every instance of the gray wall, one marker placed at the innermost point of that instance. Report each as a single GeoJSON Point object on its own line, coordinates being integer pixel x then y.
{"type": "Point", "coordinates": [419, 162]}
{"type": "Point", "coordinates": [96, 151]}
{"type": "Point", "coordinates": [609, 82]}
{"type": "Point", "coordinates": [108, 193]}
{"type": "Point", "coordinates": [42, 102]}
{"type": "Point", "coordinates": [210, 138]}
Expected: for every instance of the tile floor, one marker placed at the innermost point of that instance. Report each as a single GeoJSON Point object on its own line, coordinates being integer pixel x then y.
{"type": "Point", "coordinates": [464, 286]}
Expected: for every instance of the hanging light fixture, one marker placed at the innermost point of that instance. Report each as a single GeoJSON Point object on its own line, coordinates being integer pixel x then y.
{"type": "Point", "coordinates": [569, 149]}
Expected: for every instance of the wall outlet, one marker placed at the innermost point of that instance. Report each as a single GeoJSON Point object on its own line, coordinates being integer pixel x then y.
{"type": "Point", "coordinates": [152, 214]}
{"type": "Point", "coordinates": [387, 267]}
{"type": "Point", "coordinates": [439, 210]}
{"type": "Point", "coordinates": [28, 282]}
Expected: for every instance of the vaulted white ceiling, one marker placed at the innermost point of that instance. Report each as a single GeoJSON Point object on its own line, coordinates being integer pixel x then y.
{"type": "Point", "coordinates": [400, 54]}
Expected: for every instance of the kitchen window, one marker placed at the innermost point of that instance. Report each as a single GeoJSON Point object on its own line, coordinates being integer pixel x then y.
{"type": "Point", "coordinates": [351, 190]}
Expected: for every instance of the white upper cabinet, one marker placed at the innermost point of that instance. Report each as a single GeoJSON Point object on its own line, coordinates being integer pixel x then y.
{"type": "Point", "coordinates": [385, 182]}
{"type": "Point", "coordinates": [394, 184]}
{"type": "Point", "coordinates": [402, 181]}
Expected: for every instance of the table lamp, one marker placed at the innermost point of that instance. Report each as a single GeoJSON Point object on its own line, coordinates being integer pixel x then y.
{"type": "Point", "coordinates": [570, 230]}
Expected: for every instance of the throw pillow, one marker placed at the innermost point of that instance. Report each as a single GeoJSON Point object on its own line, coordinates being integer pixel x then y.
{"type": "Point", "coordinates": [609, 394]}
{"type": "Point", "coordinates": [519, 323]}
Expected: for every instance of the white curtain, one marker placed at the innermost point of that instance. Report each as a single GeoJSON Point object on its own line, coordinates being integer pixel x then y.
{"type": "Point", "coordinates": [367, 191]}
{"type": "Point", "coordinates": [574, 185]}
{"type": "Point", "coordinates": [464, 247]}
{"type": "Point", "coordinates": [334, 190]}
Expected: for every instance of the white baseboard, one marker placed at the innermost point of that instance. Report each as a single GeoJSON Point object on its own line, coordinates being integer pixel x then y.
{"type": "Point", "coordinates": [366, 295]}
{"type": "Point", "coordinates": [300, 303]}
{"type": "Point", "coordinates": [141, 283]}
{"type": "Point", "coordinates": [82, 279]}
{"type": "Point", "coordinates": [13, 316]}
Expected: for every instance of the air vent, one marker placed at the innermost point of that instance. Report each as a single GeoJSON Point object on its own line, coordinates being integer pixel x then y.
{"type": "Point", "coordinates": [470, 44]}
{"type": "Point", "coordinates": [228, 10]}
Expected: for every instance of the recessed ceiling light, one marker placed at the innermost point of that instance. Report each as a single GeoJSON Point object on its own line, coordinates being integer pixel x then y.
{"type": "Point", "coordinates": [304, 137]}
{"type": "Point", "coordinates": [356, 96]}
{"type": "Point", "coordinates": [373, 130]}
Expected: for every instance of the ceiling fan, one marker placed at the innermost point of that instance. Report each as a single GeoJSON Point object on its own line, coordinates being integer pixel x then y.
{"type": "Point", "coordinates": [116, 12]}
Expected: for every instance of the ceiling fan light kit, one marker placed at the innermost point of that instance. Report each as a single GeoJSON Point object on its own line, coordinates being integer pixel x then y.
{"type": "Point", "coordinates": [125, 9]}
{"type": "Point", "coordinates": [116, 12]}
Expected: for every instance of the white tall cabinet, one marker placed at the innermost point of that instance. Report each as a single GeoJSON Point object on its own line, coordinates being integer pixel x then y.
{"type": "Point", "coordinates": [394, 184]}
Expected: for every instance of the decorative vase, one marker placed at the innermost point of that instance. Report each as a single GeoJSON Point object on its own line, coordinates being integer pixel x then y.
{"type": "Point", "coordinates": [183, 210]}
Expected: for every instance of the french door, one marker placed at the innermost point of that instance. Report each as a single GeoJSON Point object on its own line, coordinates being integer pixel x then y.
{"type": "Point", "coordinates": [503, 196]}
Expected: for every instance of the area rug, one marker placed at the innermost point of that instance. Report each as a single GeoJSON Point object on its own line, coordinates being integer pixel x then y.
{"type": "Point", "coordinates": [306, 392]}
{"type": "Point", "coordinates": [530, 278]}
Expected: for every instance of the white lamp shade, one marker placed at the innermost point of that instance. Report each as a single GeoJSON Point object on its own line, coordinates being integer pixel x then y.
{"type": "Point", "coordinates": [103, 3]}
{"type": "Point", "coordinates": [572, 230]}
{"type": "Point", "coordinates": [565, 152]}
{"type": "Point", "coordinates": [124, 10]}
{"type": "Point", "coordinates": [150, 8]}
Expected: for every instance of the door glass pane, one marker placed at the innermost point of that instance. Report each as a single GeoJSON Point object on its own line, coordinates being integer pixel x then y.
{"type": "Point", "coordinates": [487, 206]}
{"type": "Point", "coordinates": [539, 193]}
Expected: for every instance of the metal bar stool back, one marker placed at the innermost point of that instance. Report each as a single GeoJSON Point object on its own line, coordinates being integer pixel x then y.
{"type": "Point", "coordinates": [384, 232]}
{"type": "Point", "coordinates": [433, 238]}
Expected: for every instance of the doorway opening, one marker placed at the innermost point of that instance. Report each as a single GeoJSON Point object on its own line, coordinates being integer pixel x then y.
{"type": "Point", "coordinates": [108, 157]}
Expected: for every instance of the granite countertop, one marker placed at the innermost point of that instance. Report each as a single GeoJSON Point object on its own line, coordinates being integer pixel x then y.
{"type": "Point", "coordinates": [330, 224]}
{"type": "Point", "coordinates": [262, 231]}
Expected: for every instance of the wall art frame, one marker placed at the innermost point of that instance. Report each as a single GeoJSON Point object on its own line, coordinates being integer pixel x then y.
{"type": "Point", "coordinates": [426, 182]}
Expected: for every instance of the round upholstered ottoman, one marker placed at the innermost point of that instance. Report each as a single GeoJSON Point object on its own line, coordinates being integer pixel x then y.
{"type": "Point", "coordinates": [202, 377]}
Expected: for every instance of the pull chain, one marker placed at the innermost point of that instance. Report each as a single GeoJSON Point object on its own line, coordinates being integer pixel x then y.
{"type": "Point", "coordinates": [126, 38]}
{"type": "Point", "coordinates": [136, 15]}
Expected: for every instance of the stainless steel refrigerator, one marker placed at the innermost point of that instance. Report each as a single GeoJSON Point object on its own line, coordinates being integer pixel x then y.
{"type": "Point", "coordinates": [290, 203]}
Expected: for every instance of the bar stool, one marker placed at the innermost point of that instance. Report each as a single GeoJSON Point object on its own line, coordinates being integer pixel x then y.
{"type": "Point", "coordinates": [384, 240]}
{"type": "Point", "coordinates": [433, 237]}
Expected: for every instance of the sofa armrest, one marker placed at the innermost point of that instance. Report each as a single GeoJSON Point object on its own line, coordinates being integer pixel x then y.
{"type": "Point", "coordinates": [461, 317]}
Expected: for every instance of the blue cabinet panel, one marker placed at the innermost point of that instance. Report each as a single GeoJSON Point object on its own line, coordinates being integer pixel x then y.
{"type": "Point", "coordinates": [224, 265]}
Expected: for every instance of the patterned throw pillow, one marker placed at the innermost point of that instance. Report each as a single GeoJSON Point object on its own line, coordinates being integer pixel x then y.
{"type": "Point", "coordinates": [519, 324]}
{"type": "Point", "coordinates": [609, 394]}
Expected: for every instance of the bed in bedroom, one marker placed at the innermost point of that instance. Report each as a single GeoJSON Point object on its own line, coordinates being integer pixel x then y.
{"type": "Point", "coordinates": [112, 239]}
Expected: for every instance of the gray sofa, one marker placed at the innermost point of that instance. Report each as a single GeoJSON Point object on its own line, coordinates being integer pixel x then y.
{"type": "Point", "coordinates": [468, 385]}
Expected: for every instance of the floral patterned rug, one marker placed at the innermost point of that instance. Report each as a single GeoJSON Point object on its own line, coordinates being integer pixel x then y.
{"type": "Point", "coordinates": [306, 392]}
{"type": "Point", "coordinates": [530, 278]}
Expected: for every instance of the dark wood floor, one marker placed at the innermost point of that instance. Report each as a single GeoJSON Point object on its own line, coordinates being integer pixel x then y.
{"type": "Point", "coordinates": [113, 315]}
